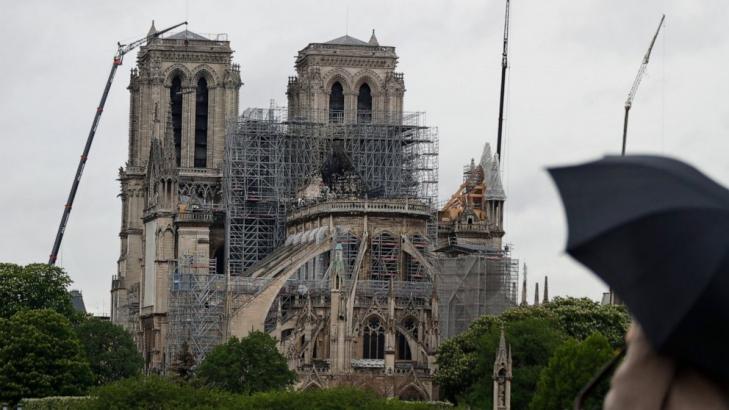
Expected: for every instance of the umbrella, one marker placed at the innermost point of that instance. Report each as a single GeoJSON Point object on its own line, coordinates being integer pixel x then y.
{"type": "Point", "coordinates": [657, 231]}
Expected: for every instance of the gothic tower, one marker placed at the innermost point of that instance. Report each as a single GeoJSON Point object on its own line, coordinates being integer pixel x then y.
{"type": "Point", "coordinates": [346, 80]}
{"type": "Point", "coordinates": [183, 93]}
{"type": "Point", "coordinates": [502, 376]}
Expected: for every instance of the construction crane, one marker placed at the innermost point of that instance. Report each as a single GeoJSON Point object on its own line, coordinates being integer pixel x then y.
{"type": "Point", "coordinates": [636, 83]}
{"type": "Point", "coordinates": [504, 65]}
{"type": "Point", "coordinates": [122, 49]}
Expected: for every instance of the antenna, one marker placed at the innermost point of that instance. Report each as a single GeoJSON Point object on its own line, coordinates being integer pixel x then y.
{"type": "Point", "coordinates": [346, 24]}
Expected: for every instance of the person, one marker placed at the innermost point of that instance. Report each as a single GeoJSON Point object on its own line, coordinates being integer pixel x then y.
{"type": "Point", "coordinates": [647, 380]}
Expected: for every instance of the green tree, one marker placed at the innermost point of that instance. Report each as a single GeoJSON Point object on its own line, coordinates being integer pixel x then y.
{"type": "Point", "coordinates": [40, 356]}
{"type": "Point", "coordinates": [251, 364]}
{"type": "Point", "coordinates": [532, 342]}
{"type": "Point", "coordinates": [34, 286]}
{"type": "Point", "coordinates": [581, 317]}
{"type": "Point", "coordinates": [457, 358]}
{"type": "Point", "coordinates": [571, 366]}
{"type": "Point", "coordinates": [109, 349]}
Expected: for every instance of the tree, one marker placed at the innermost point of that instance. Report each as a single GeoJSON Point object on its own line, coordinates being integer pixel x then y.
{"type": "Point", "coordinates": [582, 317]}
{"type": "Point", "coordinates": [532, 342]}
{"type": "Point", "coordinates": [34, 286]}
{"type": "Point", "coordinates": [457, 358]}
{"type": "Point", "coordinates": [40, 356]}
{"type": "Point", "coordinates": [570, 368]}
{"type": "Point", "coordinates": [251, 364]}
{"type": "Point", "coordinates": [109, 349]}
{"type": "Point", "coordinates": [464, 360]}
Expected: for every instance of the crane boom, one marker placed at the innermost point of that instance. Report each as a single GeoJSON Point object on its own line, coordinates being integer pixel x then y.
{"type": "Point", "coordinates": [636, 82]}
{"type": "Point", "coordinates": [504, 65]}
{"type": "Point", "coordinates": [122, 49]}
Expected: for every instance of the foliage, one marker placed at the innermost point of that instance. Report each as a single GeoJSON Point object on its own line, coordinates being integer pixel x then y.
{"type": "Point", "coordinates": [249, 365]}
{"type": "Point", "coordinates": [155, 392]}
{"type": "Point", "coordinates": [532, 342]}
{"type": "Point", "coordinates": [570, 368]}
{"type": "Point", "coordinates": [581, 317]}
{"type": "Point", "coordinates": [55, 403]}
{"type": "Point", "coordinates": [458, 375]}
{"type": "Point", "coordinates": [34, 286]}
{"type": "Point", "coordinates": [109, 349]}
{"type": "Point", "coordinates": [457, 358]}
{"type": "Point", "coordinates": [40, 356]}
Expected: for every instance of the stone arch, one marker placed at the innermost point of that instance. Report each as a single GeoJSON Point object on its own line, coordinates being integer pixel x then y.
{"type": "Point", "coordinates": [177, 70]}
{"type": "Point", "coordinates": [257, 308]}
{"type": "Point", "coordinates": [371, 78]}
{"type": "Point", "coordinates": [204, 70]}
{"type": "Point", "coordinates": [415, 345]}
{"type": "Point", "coordinates": [412, 392]}
{"type": "Point", "coordinates": [340, 75]}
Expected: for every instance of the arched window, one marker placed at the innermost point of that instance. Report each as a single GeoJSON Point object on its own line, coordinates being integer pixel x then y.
{"type": "Point", "coordinates": [364, 104]}
{"type": "Point", "coordinates": [373, 340]}
{"type": "Point", "coordinates": [201, 123]}
{"type": "Point", "coordinates": [176, 111]}
{"type": "Point", "coordinates": [336, 103]}
{"type": "Point", "coordinates": [403, 347]}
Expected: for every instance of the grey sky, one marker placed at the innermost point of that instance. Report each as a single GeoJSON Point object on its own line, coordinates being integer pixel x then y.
{"type": "Point", "coordinates": [572, 63]}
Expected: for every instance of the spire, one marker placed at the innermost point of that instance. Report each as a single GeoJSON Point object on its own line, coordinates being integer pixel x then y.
{"type": "Point", "coordinates": [546, 291]}
{"type": "Point", "coordinates": [494, 188]}
{"type": "Point", "coordinates": [152, 30]}
{"type": "Point", "coordinates": [502, 355]}
{"type": "Point", "coordinates": [536, 294]}
{"type": "Point", "coordinates": [486, 161]}
{"type": "Point", "coordinates": [524, 287]}
{"type": "Point", "coordinates": [373, 40]}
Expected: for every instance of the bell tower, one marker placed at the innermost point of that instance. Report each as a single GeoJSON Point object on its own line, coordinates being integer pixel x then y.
{"type": "Point", "coordinates": [183, 93]}
{"type": "Point", "coordinates": [346, 80]}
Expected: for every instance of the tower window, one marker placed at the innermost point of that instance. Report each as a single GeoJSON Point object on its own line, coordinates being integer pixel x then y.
{"type": "Point", "coordinates": [336, 103]}
{"type": "Point", "coordinates": [201, 123]}
{"type": "Point", "coordinates": [364, 104]}
{"type": "Point", "coordinates": [373, 340]}
{"type": "Point", "coordinates": [176, 111]}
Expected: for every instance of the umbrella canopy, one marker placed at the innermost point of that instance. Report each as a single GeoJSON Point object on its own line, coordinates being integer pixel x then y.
{"type": "Point", "coordinates": [657, 231]}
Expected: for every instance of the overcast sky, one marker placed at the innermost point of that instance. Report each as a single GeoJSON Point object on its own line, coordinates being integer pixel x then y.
{"type": "Point", "coordinates": [572, 64]}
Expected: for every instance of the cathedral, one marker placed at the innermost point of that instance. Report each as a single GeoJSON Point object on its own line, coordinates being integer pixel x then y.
{"type": "Point", "coordinates": [316, 223]}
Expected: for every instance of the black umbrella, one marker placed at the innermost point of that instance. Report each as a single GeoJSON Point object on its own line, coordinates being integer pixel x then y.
{"type": "Point", "coordinates": [657, 231]}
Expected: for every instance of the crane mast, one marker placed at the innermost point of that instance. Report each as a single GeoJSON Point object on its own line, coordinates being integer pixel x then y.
{"type": "Point", "coordinates": [122, 49]}
{"type": "Point", "coordinates": [636, 83]}
{"type": "Point", "coordinates": [504, 65]}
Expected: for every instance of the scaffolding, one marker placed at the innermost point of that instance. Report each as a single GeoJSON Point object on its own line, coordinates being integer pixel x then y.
{"type": "Point", "coordinates": [472, 285]}
{"type": "Point", "coordinates": [196, 308]}
{"type": "Point", "coordinates": [269, 157]}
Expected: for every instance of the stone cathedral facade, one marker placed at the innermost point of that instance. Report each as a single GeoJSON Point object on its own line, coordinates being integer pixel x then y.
{"type": "Point", "coordinates": [183, 93]}
{"type": "Point", "coordinates": [364, 310]}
